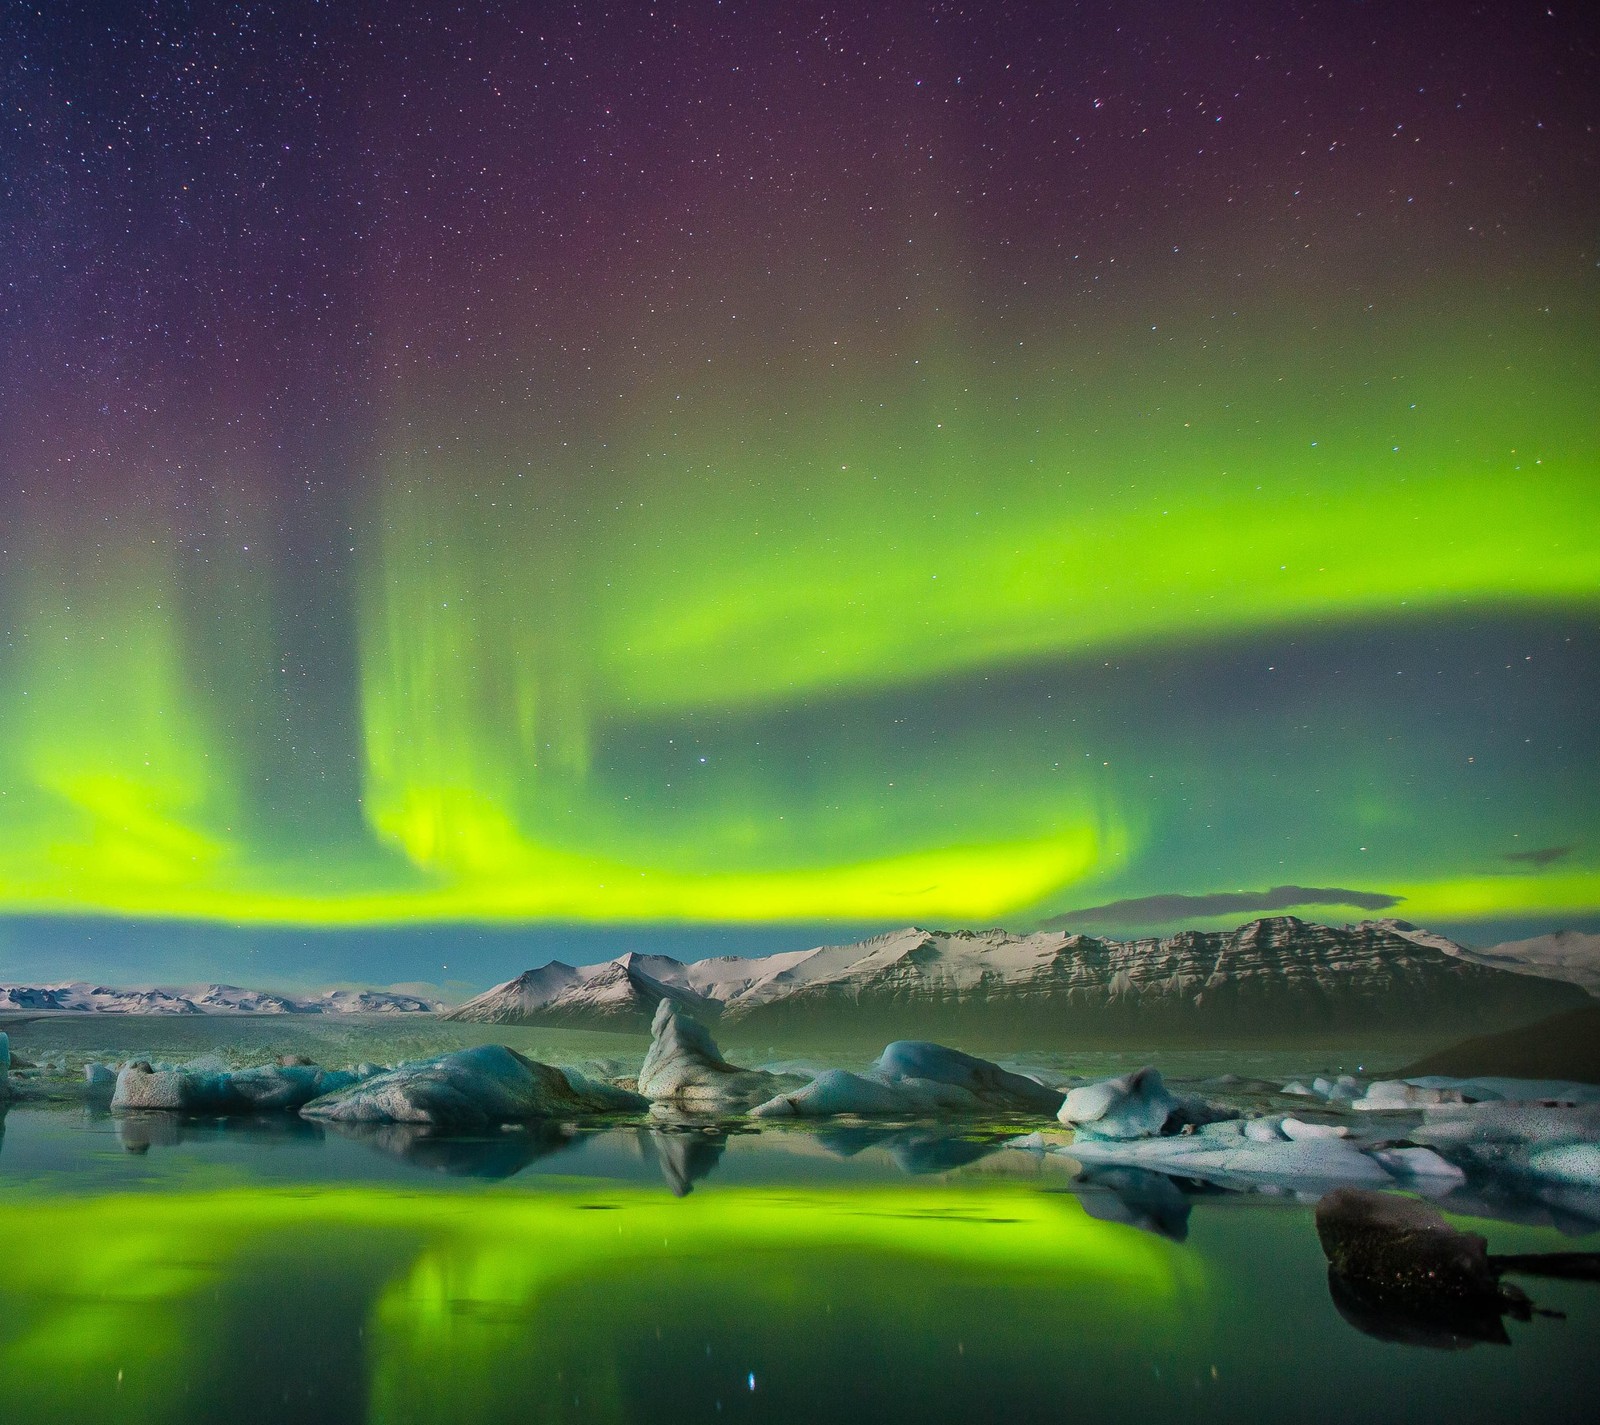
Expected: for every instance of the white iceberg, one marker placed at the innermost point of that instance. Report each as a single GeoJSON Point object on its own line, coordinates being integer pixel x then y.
{"type": "Point", "coordinates": [1232, 1154]}
{"type": "Point", "coordinates": [99, 1078]}
{"type": "Point", "coordinates": [1557, 1144]}
{"type": "Point", "coordinates": [200, 1087]}
{"type": "Point", "coordinates": [470, 1089]}
{"type": "Point", "coordinates": [1136, 1105]}
{"type": "Point", "coordinates": [684, 1069]}
{"type": "Point", "coordinates": [1419, 1163]}
{"type": "Point", "coordinates": [912, 1078]}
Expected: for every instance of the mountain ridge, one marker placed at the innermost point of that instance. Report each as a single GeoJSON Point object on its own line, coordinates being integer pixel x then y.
{"type": "Point", "coordinates": [1272, 970]}
{"type": "Point", "coordinates": [82, 997]}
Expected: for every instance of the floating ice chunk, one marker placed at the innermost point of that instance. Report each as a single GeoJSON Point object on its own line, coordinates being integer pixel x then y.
{"type": "Point", "coordinates": [1560, 1144]}
{"type": "Point", "coordinates": [286, 1086]}
{"type": "Point", "coordinates": [1391, 1095]}
{"type": "Point", "coordinates": [1433, 1090]}
{"type": "Point", "coordinates": [1299, 1131]}
{"type": "Point", "coordinates": [1494, 1087]}
{"type": "Point", "coordinates": [1136, 1105]}
{"type": "Point", "coordinates": [1223, 1152]}
{"type": "Point", "coordinates": [100, 1078]}
{"type": "Point", "coordinates": [1343, 1088]}
{"type": "Point", "coordinates": [918, 1064]}
{"type": "Point", "coordinates": [684, 1069]}
{"type": "Point", "coordinates": [1508, 1123]}
{"type": "Point", "coordinates": [1418, 1163]}
{"type": "Point", "coordinates": [1574, 1163]}
{"type": "Point", "coordinates": [1296, 1089]}
{"type": "Point", "coordinates": [914, 1078]}
{"type": "Point", "coordinates": [141, 1085]}
{"type": "Point", "coordinates": [839, 1091]}
{"type": "Point", "coordinates": [1264, 1130]}
{"type": "Point", "coordinates": [616, 1099]}
{"type": "Point", "coordinates": [472, 1088]}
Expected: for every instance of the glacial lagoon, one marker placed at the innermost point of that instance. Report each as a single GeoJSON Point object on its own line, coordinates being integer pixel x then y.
{"type": "Point", "coordinates": [168, 1269]}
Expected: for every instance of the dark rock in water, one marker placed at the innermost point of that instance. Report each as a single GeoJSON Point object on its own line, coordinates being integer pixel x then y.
{"type": "Point", "coordinates": [1398, 1271]}
{"type": "Point", "coordinates": [1566, 1046]}
{"type": "Point", "coordinates": [1402, 1245]}
{"type": "Point", "coordinates": [1444, 1325]}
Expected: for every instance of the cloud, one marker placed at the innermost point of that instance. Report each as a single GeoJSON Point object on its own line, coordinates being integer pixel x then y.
{"type": "Point", "coordinates": [1544, 856]}
{"type": "Point", "coordinates": [1157, 910]}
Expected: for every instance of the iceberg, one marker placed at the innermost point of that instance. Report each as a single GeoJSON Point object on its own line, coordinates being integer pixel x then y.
{"type": "Point", "coordinates": [1558, 1144]}
{"type": "Point", "coordinates": [912, 1078]}
{"type": "Point", "coordinates": [202, 1088]}
{"type": "Point", "coordinates": [683, 1069]}
{"type": "Point", "coordinates": [1431, 1090]}
{"type": "Point", "coordinates": [1136, 1105]}
{"type": "Point", "coordinates": [470, 1089]}
{"type": "Point", "coordinates": [1238, 1154]}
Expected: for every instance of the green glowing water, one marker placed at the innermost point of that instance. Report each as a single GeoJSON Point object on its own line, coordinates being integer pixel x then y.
{"type": "Point", "coordinates": [275, 1275]}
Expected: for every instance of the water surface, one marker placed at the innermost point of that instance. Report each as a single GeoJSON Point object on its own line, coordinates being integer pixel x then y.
{"type": "Point", "coordinates": [167, 1270]}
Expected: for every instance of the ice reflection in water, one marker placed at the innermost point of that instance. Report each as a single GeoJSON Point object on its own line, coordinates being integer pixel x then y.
{"type": "Point", "coordinates": [872, 1271]}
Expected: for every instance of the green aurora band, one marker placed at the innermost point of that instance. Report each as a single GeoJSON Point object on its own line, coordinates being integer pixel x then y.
{"type": "Point", "coordinates": [639, 472]}
{"type": "Point", "coordinates": [636, 696]}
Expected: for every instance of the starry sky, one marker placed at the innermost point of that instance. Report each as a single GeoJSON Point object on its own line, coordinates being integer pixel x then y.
{"type": "Point", "coordinates": [708, 473]}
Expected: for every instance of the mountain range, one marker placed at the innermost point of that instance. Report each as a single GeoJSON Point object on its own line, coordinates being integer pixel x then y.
{"type": "Point", "coordinates": [1271, 978]}
{"type": "Point", "coordinates": [210, 999]}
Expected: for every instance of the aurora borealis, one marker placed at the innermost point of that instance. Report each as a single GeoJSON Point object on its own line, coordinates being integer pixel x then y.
{"type": "Point", "coordinates": [745, 465]}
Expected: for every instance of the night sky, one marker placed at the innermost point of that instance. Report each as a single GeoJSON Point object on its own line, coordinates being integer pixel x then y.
{"type": "Point", "coordinates": [746, 466]}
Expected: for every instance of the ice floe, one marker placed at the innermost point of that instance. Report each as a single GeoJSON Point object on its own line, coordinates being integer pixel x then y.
{"type": "Point", "coordinates": [1239, 1153]}
{"type": "Point", "coordinates": [205, 1088]}
{"type": "Point", "coordinates": [1559, 1144]}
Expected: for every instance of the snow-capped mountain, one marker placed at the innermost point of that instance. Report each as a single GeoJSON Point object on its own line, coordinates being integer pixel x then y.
{"type": "Point", "coordinates": [209, 999]}
{"type": "Point", "coordinates": [1272, 974]}
{"type": "Point", "coordinates": [1570, 955]}
{"type": "Point", "coordinates": [367, 1002]}
{"type": "Point", "coordinates": [615, 991]}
